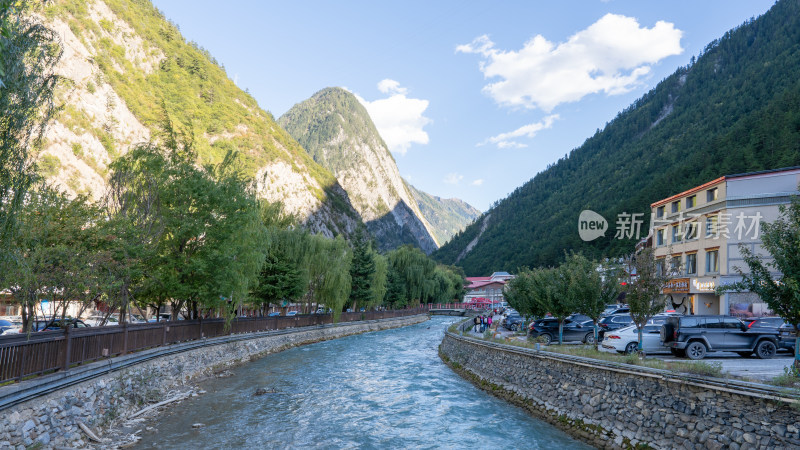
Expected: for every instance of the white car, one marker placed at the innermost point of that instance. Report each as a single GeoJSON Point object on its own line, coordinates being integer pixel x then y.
{"type": "Point", "coordinates": [626, 340]}
{"type": "Point", "coordinates": [96, 320]}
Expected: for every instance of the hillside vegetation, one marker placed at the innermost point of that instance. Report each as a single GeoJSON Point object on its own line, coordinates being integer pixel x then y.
{"type": "Point", "coordinates": [126, 67]}
{"type": "Point", "coordinates": [447, 216]}
{"type": "Point", "coordinates": [735, 109]}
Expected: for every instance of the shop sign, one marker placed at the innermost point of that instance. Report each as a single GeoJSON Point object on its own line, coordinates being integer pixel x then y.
{"type": "Point", "coordinates": [677, 286]}
{"type": "Point", "coordinates": [704, 285]}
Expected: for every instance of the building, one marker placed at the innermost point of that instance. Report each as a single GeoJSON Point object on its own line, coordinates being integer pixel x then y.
{"type": "Point", "coordinates": [699, 231]}
{"type": "Point", "coordinates": [487, 289]}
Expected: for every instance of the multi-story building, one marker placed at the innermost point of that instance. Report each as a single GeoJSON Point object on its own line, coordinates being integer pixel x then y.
{"type": "Point", "coordinates": [698, 233]}
{"type": "Point", "coordinates": [487, 289]}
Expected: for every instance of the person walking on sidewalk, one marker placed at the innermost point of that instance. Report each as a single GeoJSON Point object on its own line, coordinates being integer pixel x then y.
{"type": "Point", "coordinates": [476, 321]}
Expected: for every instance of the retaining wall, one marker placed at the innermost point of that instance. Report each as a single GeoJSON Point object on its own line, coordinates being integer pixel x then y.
{"type": "Point", "coordinates": [44, 412]}
{"type": "Point", "coordinates": [613, 405]}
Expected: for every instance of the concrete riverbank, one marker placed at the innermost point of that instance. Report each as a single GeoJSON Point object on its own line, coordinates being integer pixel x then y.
{"type": "Point", "coordinates": [622, 406]}
{"type": "Point", "coordinates": [56, 410]}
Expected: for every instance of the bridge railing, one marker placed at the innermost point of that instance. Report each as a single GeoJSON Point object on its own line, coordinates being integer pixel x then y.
{"type": "Point", "coordinates": [26, 355]}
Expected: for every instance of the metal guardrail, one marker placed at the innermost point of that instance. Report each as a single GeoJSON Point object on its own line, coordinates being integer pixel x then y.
{"type": "Point", "coordinates": [733, 386]}
{"type": "Point", "coordinates": [27, 355]}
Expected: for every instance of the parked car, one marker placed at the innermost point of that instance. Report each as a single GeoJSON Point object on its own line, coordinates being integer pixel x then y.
{"type": "Point", "coordinates": [512, 322]}
{"type": "Point", "coordinates": [97, 320]}
{"type": "Point", "coordinates": [694, 336]}
{"type": "Point", "coordinates": [626, 340]}
{"type": "Point", "coordinates": [291, 313]}
{"type": "Point", "coordinates": [611, 323]}
{"type": "Point", "coordinates": [274, 314]}
{"type": "Point", "coordinates": [7, 326]}
{"type": "Point", "coordinates": [764, 322]}
{"type": "Point", "coordinates": [787, 334]}
{"type": "Point", "coordinates": [57, 324]}
{"type": "Point", "coordinates": [615, 309]}
{"type": "Point", "coordinates": [547, 329]}
{"type": "Point", "coordinates": [576, 317]}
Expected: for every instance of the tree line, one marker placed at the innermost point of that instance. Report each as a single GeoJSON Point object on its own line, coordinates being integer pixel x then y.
{"type": "Point", "coordinates": [581, 285]}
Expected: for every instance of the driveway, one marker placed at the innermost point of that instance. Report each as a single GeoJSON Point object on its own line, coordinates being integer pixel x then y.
{"type": "Point", "coordinates": [752, 367]}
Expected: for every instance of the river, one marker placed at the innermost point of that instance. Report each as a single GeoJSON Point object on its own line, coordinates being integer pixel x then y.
{"type": "Point", "coordinates": [387, 389]}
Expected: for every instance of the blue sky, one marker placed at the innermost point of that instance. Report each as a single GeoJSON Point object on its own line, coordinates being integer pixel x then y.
{"type": "Point", "coordinates": [473, 98]}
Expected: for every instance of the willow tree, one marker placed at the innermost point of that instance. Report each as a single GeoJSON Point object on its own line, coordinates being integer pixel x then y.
{"type": "Point", "coordinates": [328, 266]}
{"type": "Point", "coordinates": [378, 284]}
{"type": "Point", "coordinates": [284, 276]}
{"type": "Point", "coordinates": [28, 55]}
{"type": "Point", "coordinates": [410, 275]}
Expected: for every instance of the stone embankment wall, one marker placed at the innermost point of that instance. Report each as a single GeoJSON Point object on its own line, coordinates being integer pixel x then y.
{"type": "Point", "coordinates": [621, 406]}
{"type": "Point", "coordinates": [52, 419]}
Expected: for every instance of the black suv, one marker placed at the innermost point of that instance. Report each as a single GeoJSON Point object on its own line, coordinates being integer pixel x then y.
{"type": "Point", "coordinates": [693, 336]}
{"type": "Point", "coordinates": [547, 329]}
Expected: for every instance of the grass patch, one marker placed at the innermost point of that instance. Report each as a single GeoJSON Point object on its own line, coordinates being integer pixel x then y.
{"type": "Point", "coordinates": [789, 379]}
{"type": "Point", "coordinates": [49, 165]}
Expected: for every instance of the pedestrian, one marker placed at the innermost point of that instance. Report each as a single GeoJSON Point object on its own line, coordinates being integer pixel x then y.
{"type": "Point", "coordinates": [489, 321]}
{"type": "Point", "coordinates": [483, 323]}
{"type": "Point", "coordinates": [476, 321]}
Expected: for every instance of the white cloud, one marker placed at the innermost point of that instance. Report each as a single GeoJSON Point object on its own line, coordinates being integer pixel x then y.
{"type": "Point", "coordinates": [506, 140]}
{"type": "Point", "coordinates": [612, 55]}
{"type": "Point", "coordinates": [399, 119]}
{"type": "Point", "coordinates": [453, 178]}
{"type": "Point", "coordinates": [388, 86]}
{"type": "Point", "coordinates": [478, 182]}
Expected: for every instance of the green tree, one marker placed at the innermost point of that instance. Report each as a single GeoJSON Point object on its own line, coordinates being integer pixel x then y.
{"type": "Point", "coordinates": [645, 283]}
{"type": "Point", "coordinates": [362, 270]}
{"type": "Point", "coordinates": [209, 239]}
{"type": "Point", "coordinates": [781, 239]}
{"type": "Point", "coordinates": [378, 282]}
{"type": "Point", "coordinates": [586, 288]}
{"type": "Point", "coordinates": [28, 54]}
{"type": "Point", "coordinates": [283, 277]}
{"type": "Point", "coordinates": [521, 294]}
{"type": "Point", "coordinates": [328, 265]}
{"type": "Point", "coordinates": [53, 254]}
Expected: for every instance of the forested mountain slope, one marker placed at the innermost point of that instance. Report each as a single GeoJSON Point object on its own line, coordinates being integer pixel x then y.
{"type": "Point", "coordinates": [736, 109]}
{"type": "Point", "coordinates": [447, 216]}
{"type": "Point", "coordinates": [338, 133]}
{"type": "Point", "coordinates": [125, 68]}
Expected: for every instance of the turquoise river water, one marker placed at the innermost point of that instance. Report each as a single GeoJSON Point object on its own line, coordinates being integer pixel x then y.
{"type": "Point", "coordinates": [387, 389]}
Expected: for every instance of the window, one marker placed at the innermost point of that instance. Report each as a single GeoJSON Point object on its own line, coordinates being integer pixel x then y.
{"type": "Point", "coordinates": [691, 230]}
{"type": "Point", "coordinates": [712, 226]}
{"type": "Point", "coordinates": [712, 261]}
{"type": "Point", "coordinates": [675, 264]}
{"type": "Point", "coordinates": [713, 322]}
{"type": "Point", "coordinates": [711, 194]}
{"type": "Point", "coordinates": [676, 233]}
{"type": "Point", "coordinates": [660, 266]}
{"type": "Point", "coordinates": [676, 206]}
{"type": "Point", "coordinates": [691, 263]}
{"type": "Point", "coordinates": [731, 323]}
{"type": "Point", "coordinates": [660, 236]}
{"type": "Point", "coordinates": [660, 212]}
{"type": "Point", "coordinates": [691, 202]}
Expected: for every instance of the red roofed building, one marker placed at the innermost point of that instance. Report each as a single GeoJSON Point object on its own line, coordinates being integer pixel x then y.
{"type": "Point", "coordinates": [487, 290]}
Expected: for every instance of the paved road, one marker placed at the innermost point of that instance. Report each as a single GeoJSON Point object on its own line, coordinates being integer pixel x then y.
{"type": "Point", "coordinates": [752, 367]}
{"type": "Point", "coordinates": [733, 364]}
